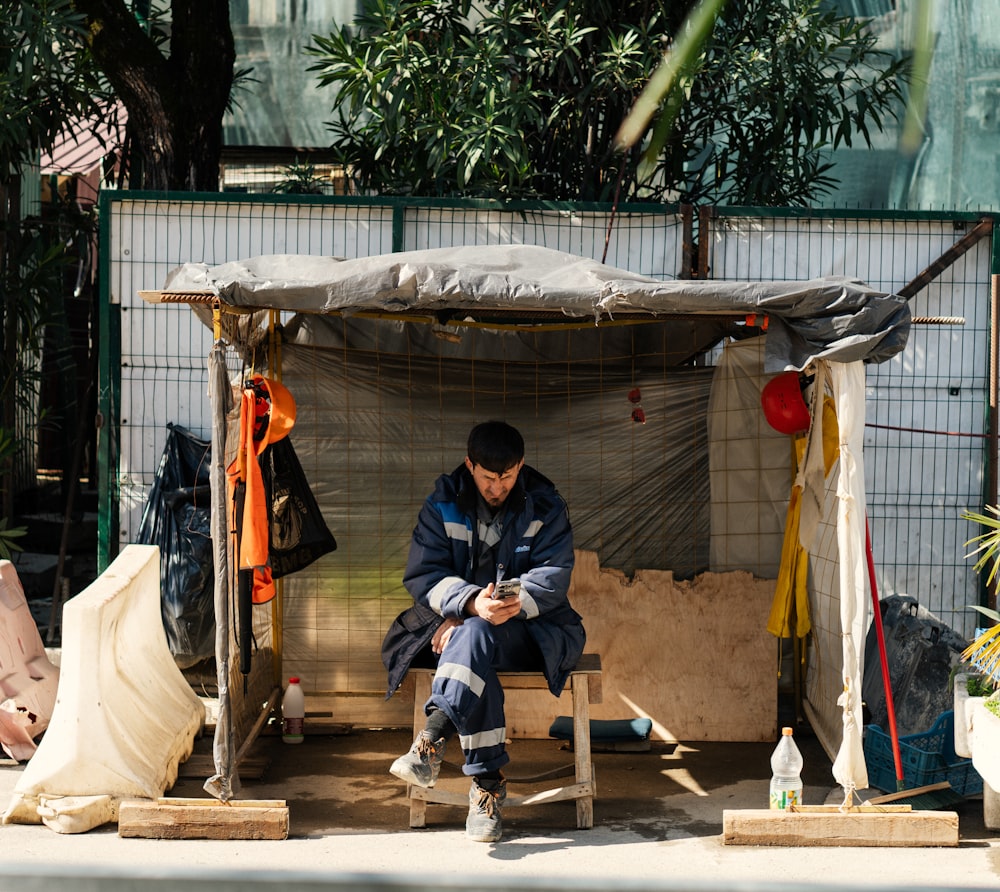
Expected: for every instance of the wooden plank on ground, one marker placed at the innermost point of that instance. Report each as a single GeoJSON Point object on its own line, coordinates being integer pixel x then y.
{"type": "Point", "coordinates": [167, 818]}
{"type": "Point", "coordinates": [764, 827]}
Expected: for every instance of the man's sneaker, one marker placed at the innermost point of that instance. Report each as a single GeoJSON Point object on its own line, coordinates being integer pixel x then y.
{"type": "Point", "coordinates": [485, 823]}
{"type": "Point", "coordinates": [422, 764]}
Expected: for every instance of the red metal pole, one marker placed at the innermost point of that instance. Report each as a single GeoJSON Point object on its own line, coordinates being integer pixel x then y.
{"type": "Point", "coordinates": [880, 635]}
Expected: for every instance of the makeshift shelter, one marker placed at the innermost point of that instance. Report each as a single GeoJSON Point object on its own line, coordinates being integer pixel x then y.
{"type": "Point", "coordinates": [829, 326]}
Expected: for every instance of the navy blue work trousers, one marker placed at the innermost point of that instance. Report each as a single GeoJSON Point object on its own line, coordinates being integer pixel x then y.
{"type": "Point", "coordinates": [467, 689]}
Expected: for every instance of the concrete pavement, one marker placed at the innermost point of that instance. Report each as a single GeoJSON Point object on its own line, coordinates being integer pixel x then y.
{"type": "Point", "coordinates": [658, 824]}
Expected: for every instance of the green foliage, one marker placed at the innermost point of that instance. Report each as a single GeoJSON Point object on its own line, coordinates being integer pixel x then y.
{"type": "Point", "coordinates": [31, 274]}
{"type": "Point", "coordinates": [977, 686]}
{"type": "Point", "coordinates": [8, 446]}
{"type": "Point", "coordinates": [987, 612]}
{"type": "Point", "coordinates": [987, 544]}
{"type": "Point", "coordinates": [780, 84]}
{"type": "Point", "coordinates": [300, 179]}
{"type": "Point", "coordinates": [984, 652]}
{"type": "Point", "coordinates": [7, 536]}
{"type": "Point", "coordinates": [680, 62]}
{"type": "Point", "coordinates": [48, 81]}
{"type": "Point", "coordinates": [32, 270]}
{"type": "Point", "coordinates": [520, 99]}
{"type": "Point", "coordinates": [47, 77]}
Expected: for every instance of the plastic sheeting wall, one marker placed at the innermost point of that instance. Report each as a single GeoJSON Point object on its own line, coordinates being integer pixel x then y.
{"type": "Point", "coordinates": [752, 476]}
{"type": "Point", "coordinates": [384, 408]}
{"type": "Point", "coordinates": [164, 348]}
{"type": "Point", "coordinates": [751, 467]}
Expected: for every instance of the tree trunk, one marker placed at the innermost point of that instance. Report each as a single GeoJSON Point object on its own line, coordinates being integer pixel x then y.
{"type": "Point", "coordinates": [175, 103]}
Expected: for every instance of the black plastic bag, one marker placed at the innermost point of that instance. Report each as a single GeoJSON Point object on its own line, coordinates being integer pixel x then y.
{"type": "Point", "coordinates": [298, 533]}
{"type": "Point", "coordinates": [921, 653]}
{"type": "Point", "coordinates": [178, 518]}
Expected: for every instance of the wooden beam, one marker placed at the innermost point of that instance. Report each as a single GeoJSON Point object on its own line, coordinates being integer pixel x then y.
{"type": "Point", "coordinates": [856, 827]}
{"type": "Point", "coordinates": [203, 819]}
{"type": "Point", "coordinates": [907, 794]}
{"type": "Point", "coordinates": [983, 229]}
{"type": "Point", "coordinates": [567, 793]}
{"type": "Point", "coordinates": [262, 717]}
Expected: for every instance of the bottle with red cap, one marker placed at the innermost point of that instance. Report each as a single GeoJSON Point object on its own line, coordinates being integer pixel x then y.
{"type": "Point", "coordinates": [293, 712]}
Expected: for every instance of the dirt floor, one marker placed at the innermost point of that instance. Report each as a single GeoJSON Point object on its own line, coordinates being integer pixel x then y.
{"type": "Point", "coordinates": [341, 781]}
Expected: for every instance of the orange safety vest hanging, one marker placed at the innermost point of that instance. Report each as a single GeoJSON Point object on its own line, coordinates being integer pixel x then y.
{"type": "Point", "coordinates": [267, 414]}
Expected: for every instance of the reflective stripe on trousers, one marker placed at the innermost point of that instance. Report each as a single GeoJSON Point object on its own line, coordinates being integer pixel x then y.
{"type": "Point", "coordinates": [467, 689]}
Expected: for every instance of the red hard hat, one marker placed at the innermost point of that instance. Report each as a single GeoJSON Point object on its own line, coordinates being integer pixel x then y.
{"type": "Point", "coordinates": [784, 408]}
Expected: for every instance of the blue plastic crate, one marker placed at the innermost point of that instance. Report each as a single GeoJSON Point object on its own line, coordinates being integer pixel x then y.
{"type": "Point", "coordinates": [926, 758]}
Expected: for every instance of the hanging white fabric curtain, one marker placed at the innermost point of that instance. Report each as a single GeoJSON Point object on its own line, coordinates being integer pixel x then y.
{"type": "Point", "coordinates": [848, 385]}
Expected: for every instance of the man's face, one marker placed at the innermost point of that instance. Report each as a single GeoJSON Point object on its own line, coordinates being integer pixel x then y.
{"type": "Point", "coordinates": [494, 487]}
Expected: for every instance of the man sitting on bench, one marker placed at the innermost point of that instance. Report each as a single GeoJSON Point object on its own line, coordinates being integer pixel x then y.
{"type": "Point", "coordinates": [489, 567]}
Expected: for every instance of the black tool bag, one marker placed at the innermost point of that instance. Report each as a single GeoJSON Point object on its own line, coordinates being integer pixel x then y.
{"type": "Point", "coordinates": [298, 533]}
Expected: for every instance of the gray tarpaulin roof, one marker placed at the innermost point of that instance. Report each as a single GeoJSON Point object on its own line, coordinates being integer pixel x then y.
{"type": "Point", "coordinates": [835, 318]}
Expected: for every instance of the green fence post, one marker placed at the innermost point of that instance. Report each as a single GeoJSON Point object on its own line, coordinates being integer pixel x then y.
{"type": "Point", "coordinates": [108, 393]}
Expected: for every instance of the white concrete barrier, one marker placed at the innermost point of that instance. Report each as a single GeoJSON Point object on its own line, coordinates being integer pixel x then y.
{"type": "Point", "coordinates": [28, 680]}
{"type": "Point", "coordinates": [125, 717]}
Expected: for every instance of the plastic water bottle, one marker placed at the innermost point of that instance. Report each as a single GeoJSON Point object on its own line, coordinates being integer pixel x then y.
{"type": "Point", "coordinates": [293, 712]}
{"type": "Point", "coordinates": [786, 771]}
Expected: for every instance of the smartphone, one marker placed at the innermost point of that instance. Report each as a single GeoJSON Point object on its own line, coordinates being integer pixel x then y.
{"type": "Point", "coordinates": [507, 588]}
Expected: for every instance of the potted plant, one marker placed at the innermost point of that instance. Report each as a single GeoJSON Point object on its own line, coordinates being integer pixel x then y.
{"type": "Point", "coordinates": [983, 720]}
{"type": "Point", "coordinates": [970, 689]}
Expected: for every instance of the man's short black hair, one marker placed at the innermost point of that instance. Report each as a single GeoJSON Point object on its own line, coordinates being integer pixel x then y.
{"type": "Point", "coordinates": [495, 446]}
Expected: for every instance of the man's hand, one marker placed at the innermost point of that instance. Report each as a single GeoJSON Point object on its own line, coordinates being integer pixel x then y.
{"type": "Point", "coordinates": [496, 611]}
{"type": "Point", "coordinates": [443, 633]}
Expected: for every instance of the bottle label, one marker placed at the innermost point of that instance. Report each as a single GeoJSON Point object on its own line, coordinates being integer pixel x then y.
{"type": "Point", "coordinates": [293, 727]}
{"type": "Point", "coordinates": [784, 799]}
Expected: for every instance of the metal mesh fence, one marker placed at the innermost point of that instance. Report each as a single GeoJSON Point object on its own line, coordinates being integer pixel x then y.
{"type": "Point", "coordinates": [925, 444]}
{"type": "Point", "coordinates": [925, 434]}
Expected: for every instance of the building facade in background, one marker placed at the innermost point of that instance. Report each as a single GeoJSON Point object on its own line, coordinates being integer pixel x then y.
{"type": "Point", "coordinates": [954, 166]}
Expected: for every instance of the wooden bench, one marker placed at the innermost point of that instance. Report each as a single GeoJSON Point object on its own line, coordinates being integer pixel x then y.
{"type": "Point", "coordinates": [585, 684]}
